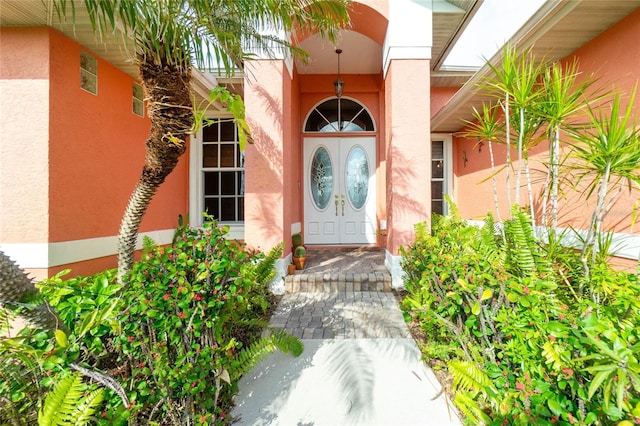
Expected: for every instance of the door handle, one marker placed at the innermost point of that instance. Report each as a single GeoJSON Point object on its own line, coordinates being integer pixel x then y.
{"type": "Point", "coordinates": [336, 205]}
{"type": "Point", "coordinates": [342, 204]}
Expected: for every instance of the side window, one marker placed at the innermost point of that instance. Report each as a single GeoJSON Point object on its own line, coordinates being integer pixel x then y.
{"type": "Point", "coordinates": [222, 172]}
{"type": "Point", "coordinates": [89, 73]}
{"type": "Point", "coordinates": [138, 99]}
{"type": "Point", "coordinates": [441, 174]}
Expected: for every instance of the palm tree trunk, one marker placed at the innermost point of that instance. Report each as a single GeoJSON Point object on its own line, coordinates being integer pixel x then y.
{"type": "Point", "coordinates": [527, 174]}
{"type": "Point", "coordinates": [170, 111]}
{"type": "Point", "coordinates": [17, 290]}
{"type": "Point", "coordinates": [495, 181]}
{"type": "Point", "coordinates": [596, 221]}
{"type": "Point", "coordinates": [128, 235]}
{"type": "Point", "coordinates": [519, 148]}
{"type": "Point", "coordinates": [507, 118]}
{"type": "Point", "coordinates": [555, 176]}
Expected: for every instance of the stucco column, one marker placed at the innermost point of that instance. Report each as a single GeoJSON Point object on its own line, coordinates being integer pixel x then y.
{"type": "Point", "coordinates": [406, 65]}
{"type": "Point", "coordinates": [264, 159]}
{"type": "Point", "coordinates": [408, 150]}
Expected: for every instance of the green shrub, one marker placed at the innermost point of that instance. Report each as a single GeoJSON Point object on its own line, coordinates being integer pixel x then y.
{"type": "Point", "coordinates": [177, 337]}
{"type": "Point", "coordinates": [190, 309]}
{"type": "Point", "coordinates": [523, 345]}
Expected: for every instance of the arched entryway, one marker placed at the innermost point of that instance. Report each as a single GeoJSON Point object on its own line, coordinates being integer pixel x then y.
{"type": "Point", "coordinates": [339, 174]}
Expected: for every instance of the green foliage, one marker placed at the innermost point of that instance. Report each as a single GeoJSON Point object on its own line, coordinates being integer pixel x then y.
{"type": "Point", "coordinates": [177, 338]}
{"type": "Point", "coordinates": [250, 356]}
{"type": "Point", "coordinates": [191, 311]}
{"type": "Point", "coordinates": [20, 377]}
{"type": "Point", "coordinates": [296, 240]}
{"type": "Point", "coordinates": [300, 251]}
{"type": "Point", "coordinates": [522, 345]}
{"type": "Point", "coordinates": [69, 403]}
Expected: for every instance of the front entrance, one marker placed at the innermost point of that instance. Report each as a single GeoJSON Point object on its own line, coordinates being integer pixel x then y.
{"type": "Point", "coordinates": [340, 190]}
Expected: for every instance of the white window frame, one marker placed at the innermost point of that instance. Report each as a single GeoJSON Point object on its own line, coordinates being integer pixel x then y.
{"type": "Point", "coordinates": [196, 186]}
{"type": "Point", "coordinates": [447, 183]}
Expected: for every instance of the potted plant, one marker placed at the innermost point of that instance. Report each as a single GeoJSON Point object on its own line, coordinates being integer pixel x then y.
{"type": "Point", "coordinates": [299, 257]}
{"type": "Point", "coordinates": [296, 241]}
{"type": "Point", "coordinates": [291, 268]}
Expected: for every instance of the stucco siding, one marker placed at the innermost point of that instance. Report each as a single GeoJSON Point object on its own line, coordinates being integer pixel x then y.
{"type": "Point", "coordinates": [24, 132]}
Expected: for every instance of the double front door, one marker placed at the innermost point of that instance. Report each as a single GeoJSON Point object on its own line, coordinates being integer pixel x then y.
{"type": "Point", "coordinates": [339, 196]}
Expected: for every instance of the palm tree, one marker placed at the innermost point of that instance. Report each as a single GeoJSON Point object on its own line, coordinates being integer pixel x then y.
{"type": "Point", "coordinates": [19, 294]}
{"type": "Point", "coordinates": [563, 98]}
{"type": "Point", "coordinates": [171, 36]}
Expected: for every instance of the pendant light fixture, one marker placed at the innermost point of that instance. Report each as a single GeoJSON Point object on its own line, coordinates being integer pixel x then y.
{"type": "Point", "coordinates": [338, 83]}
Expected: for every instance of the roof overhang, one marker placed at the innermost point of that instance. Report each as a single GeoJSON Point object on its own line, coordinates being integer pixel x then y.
{"type": "Point", "coordinates": [554, 32]}
{"type": "Point", "coordinates": [113, 47]}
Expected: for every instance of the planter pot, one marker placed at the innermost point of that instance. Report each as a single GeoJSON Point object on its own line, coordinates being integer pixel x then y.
{"type": "Point", "coordinates": [291, 269]}
{"type": "Point", "coordinates": [299, 262]}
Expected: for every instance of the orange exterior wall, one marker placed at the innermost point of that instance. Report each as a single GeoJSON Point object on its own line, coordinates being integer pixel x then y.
{"type": "Point", "coordinates": [97, 152]}
{"type": "Point", "coordinates": [608, 56]}
{"type": "Point", "coordinates": [440, 96]}
{"type": "Point", "coordinates": [80, 155]}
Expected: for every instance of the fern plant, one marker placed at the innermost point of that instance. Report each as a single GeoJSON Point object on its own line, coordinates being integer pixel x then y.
{"type": "Point", "coordinates": [67, 403]}
{"type": "Point", "coordinates": [472, 384]}
{"type": "Point", "coordinates": [250, 356]}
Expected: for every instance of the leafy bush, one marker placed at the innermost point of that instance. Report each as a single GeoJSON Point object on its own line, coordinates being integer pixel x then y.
{"type": "Point", "coordinates": [169, 347]}
{"type": "Point", "coordinates": [523, 344]}
{"type": "Point", "coordinates": [190, 311]}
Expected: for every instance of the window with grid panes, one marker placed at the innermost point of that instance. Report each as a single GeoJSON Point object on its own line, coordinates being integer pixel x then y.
{"type": "Point", "coordinates": [437, 177]}
{"type": "Point", "coordinates": [223, 171]}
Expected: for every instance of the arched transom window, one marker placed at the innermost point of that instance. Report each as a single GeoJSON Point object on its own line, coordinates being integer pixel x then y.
{"type": "Point", "coordinates": [339, 115]}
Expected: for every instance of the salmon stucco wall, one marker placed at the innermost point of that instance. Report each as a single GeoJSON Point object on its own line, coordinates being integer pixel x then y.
{"type": "Point", "coordinates": [607, 57]}
{"type": "Point", "coordinates": [24, 132]}
{"type": "Point", "coordinates": [264, 159]}
{"type": "Point", "coordinates": [408, 154]}
{"type": "Point", "coordinates": [440, 96]}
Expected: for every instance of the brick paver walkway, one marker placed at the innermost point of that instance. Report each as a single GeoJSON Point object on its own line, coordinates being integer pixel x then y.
{"type": "Point", "coordinates": [340, 315]}
{"type": "Point", "coordinates": [341, 270]}
{"type": "Point", "coordinates": [341, 294]}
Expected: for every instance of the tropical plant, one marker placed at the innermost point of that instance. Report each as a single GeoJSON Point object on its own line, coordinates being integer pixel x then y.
{"type": "Point", "coordinates": [70, 403]}
{"type": "Point", "coordinates": [300, 252]}
{"type": "Point", "coordinates": [487, 126]}
{"type": "Point", "coordinates": [609, 161]}
{"type": "Point", "coordinates": [296, 240]}
{"type": "Point", "coordinates": [19, 294]}
{"type": "Point", "coordinates": [562, 98]}
{"type": "Point", "coordinates": [522, 347]}
{"type": "Point", "coordinates": [192, 310]}
{"type": "Point", "coordinates": [171, 36]}
{"type": "Point", "coordinates": [516, 85]}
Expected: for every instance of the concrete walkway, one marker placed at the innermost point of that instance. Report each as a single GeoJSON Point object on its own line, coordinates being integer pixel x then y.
{"type": "Point", "coordinates": [360, 366]}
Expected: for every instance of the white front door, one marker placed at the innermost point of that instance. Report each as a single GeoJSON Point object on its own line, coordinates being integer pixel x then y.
{"type": "Point", "coordinates": [340, 192]}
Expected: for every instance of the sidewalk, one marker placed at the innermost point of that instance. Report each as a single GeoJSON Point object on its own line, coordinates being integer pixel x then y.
{"type": "Point", "coordinates": [360, 366]}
